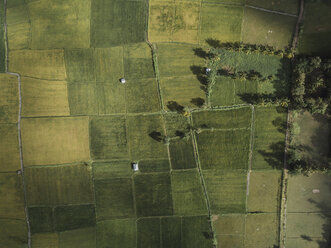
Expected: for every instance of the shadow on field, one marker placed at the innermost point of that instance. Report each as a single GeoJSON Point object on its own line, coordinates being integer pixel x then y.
{"type": "Point", "coordinates": [274, 156]}
{"type": "Point", "coordinates": [156, 136]}
{"type": "Point", "coordinates": [199, 102]}
{"type": "Point", "coordinates": [199, 72]}
{"type": "Point", "coordinates": [175, 107]}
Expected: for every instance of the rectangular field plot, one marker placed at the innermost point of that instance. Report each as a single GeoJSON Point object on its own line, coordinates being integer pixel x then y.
{"type": "Point", "coordinates": [221, 22]}
{"type": "Point", "coordinates": [12, 196]}
{"type": "Point", "coordinates": [60, 24]}
{"type": "Point", "coordinates": [159, 165]}
{"type": "Point", "coordinates": [230, 241]}
{"type": "Point", "coordinates": [2, 39]}
{"type": "Point", "coordinates": [226, 190]}
{"type": "Point", "coordinates": [153, 194]}
{"type": "Point", "coordinates": [148, 232]}
{"type": "Point", "coordinates": [269, 137]}
{"type": "Point", "coordinates": [18, 27]}
{"type": "Point", "coordinates": [264, 191]}
{"type": "Point", "coordinates": [44, 64]}
{"type": "Point", "coordinates": [13, 233]}
{"type": "Point", "coordinates": [79, 238]}
{"type": "Point", "coordinates": [304, 243]}
{"type": "Point", "coordinates": [118, 233]}
{"type": "Point", "coordinates": [108, 137]}
{"type": "Point", "coordinates": [309, 194]}
{"type": "Point", "coordinates": [316, 36]}
{"type": "Point", "coordinates": [114, 198]}
{"type": "Point", "coordinates": [260, 27]}
{"type": "Point", "coordinates": [142, 96]}
{"type": "Point", "coordinates": [145, 134]}
{"type": "Point", "coordinates": [114, 169]}
{"type": "Point", "coordinates": [182, 90]}
{"type": "Point", "coordinates": [8, 98]}
{"type": "Point", "coordinates": [187, 193]}
{"type": "Point", "coordinates": [56, 185]}
{"type": "Point", "coordinates": [111, 97]}
{"type": "Point", "coordinates": [286, 6]}
{"type": "Point", "coordinates": [177, 59]}
{"type": "Point", "coordinates": [177, 22]}
{"type": "Point", "coordinates": [41, 240]}
{"type": "Point", "coordinates": [41, 219]}
{"type": "Point", "coordinates": [74, 217]}
{"type": "Point", "coordinates": [182, 154]}
{"type": "Point", "coordinates": [262, 230]}
{"type": "Point", "coordinates": [224, 149]}
{"type": "Point", "coordinates": [223, 119]}
{"type": "Point", "coordinates": [55, 140]}
{"type": "Point", "coordinates": [9, 148]}
{"type": "Point", "coordinates": [44, 98]}
{"type": "Point", "coordinates": [83, 99]}
{"type": "Point", "coordinates": [229, 225]}
{"type": "Point", "coordinates": [176, 124]}
{"type": "Point", "coordinates": [117, 22]}
{"type": "Point", "coordinates": [196, 232]}
{"type": "Point", "coordinates": [138, 61]}
{"type": "Point", "coordinates": [171, 232]}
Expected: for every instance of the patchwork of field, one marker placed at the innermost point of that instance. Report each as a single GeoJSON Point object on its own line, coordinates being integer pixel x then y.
{"type": "Point", "coordinates": [215, 170]}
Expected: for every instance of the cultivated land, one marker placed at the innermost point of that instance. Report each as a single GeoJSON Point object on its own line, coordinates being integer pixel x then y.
{"type": "Point", "coordinates": [210, 165]}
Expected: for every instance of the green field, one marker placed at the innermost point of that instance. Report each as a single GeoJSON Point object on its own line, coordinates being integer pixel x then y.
{"type": "Point", "coordinates": [8, 99]}
{"type": "Point", "coordinates": [286, 6]}
{"type": "Point", "coordinates": [2, 40]}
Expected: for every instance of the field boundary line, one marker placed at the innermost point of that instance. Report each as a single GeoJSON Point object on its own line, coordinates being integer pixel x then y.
{"type": "Point", "coordinates": [250, 156]}
{"type": "Point", "coordinates": [271, 11]}
{"type": "Point", "coordinates": [283, 202]}
{"type": "Point", "coordinates": [18, 124]}
{"type": "Point", "coordinates": [298, 25]}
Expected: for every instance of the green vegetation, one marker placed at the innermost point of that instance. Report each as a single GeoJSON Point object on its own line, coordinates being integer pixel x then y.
{"type": "Point", "coordinates": [84, 238]}
{"type": "Point", "coordinates": [147, 166]}
{"type": "Point", "coordinates": [41, 219]}
{"type": "Point", "coordinates": [9, 149]}
{"type": "Point", "coordinates": [10, 228]}
{"type": "Point", "coordinates": [2, 40]}
{"type": "Point", "coordinates": [171, 230]}
{"type": "Point", "coordinates": [8, 99]}
{"type": "Point", "coordinates": [115, 169]}
{"type": "Point", "coordinates": [182, 154]}
{"type": "Point", "coordinates": [286, 6]}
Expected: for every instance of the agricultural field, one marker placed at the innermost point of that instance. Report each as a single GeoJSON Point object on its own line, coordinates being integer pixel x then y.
{"type": "Point", "coordinates": [210, 164]}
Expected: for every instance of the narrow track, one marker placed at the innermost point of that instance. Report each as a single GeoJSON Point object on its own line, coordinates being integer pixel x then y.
{"type": "Point", "coordinates": [297, 27]}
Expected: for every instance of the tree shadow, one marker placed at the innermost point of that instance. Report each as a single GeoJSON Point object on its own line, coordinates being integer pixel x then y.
{"type": "Point", "coordinates": [280, 124]}
{"type": "Point", "coordinates": [199, 102]}
{"type": "Point", "coordinates": [214, 43]}
{"type": "Point", "coordinates": [156, 136]}
{"type": "Point", "coordinates": [274, 156]}
{"type": "Point", "coordinates": [282, 82]}
{"type": "Point", "coordinates": [201, 53]}
{"type": "Point", "coordinates": [175, 107]}
{"type": "Point", "coordinates": [200, 73]}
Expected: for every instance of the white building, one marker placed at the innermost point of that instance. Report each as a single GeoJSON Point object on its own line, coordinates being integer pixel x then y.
{"type": "Point", "coordinates": [135, 167]}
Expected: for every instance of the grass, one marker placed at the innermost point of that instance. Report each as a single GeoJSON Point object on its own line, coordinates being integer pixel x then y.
{"type": "Point", "coordinates": [229, 225]}
{"type": "Point", "coordinates": [58, 185]}
{"type": "Point", "coordinates": [117, 22]}
{"type": "Point", "coordinates": [64, 25]}
{"type": "Point", "coordinates": [226, 190]}
{"type": "Point", "coordinates": [229, 241]}
{"type": "Point", "coordinates": [220, 22]}
{"type": "Point", "coordinates": [171, 228]}
{"type": "Point", "coordinates": [301, 197]}
{"type": "Point", "coordinates": [41, 219]}
{"type": "Point", "coordinates": [182, 154]}
{"type": "Point", "coordinates": [12, 195]}
{"type": "Point", "coordinates": [55, 140]}
{"type": "Point", "coordinates": [187, 193]}
{"type": "Point", "coordinates": [111, 98]}
{"type": "Point", "coordinates": [2, 40]}
{"type": "Point", "coordinates": [260, 27]}
{"type": "Point", "coordinates": [41, 240]}
{"type": "Point", "coordinates": [118, 233]}
{"type": "Point", "coordinates": [153, 194]}
{"type": "Point", "coordinates": [176, 22]}
{"type": "Point", "coordinates": [316, 35]}
{"type": "Point", "coordinates": [224, 149]}
{"type": "Point", "coordinates": [140, 130]}
{"type": "Point", "coordinates": [115, 169]}
{"type": "Point", "coordinates": [182, 90]}
{"type": "Point", "coordinates": [148, 166]}
{"type": "Point", "coordinates": [83, 99]}
{"type": "Point", "coordinates": [262, 230]}
{"type": "Point", "coordinates": [74, 217]}
{"type": "Point", "coordinates": [175, 122]}
{"type": "Point", "coordinates": [286, 6]}
{"type": "Point", "coordinates": [43, 64]}
{"type": "Point", "coordinates": [269, 138]}
{"type": "Point", "coordinates": [114, 198]}
{"type": "Point", "coordinates": [8, 99]}
{"type": "Point", "coordinates": [44, 98]}
{"type": "Point", "coordinates": [79, 238]}
{"type": "Point", "coordinates": [108, 137]}
{"type": "Point", "coordinates": [303, 243]}
{"type": "Point", "coordinates": [9, 148]}
{"type": "Point", "coordinates": [223, 119]}
{"type": "Point", "coordinates": [223, 92]}
{"type": "Point", "coordinates": [13, 233]}
{"type": "Point", "coordinates": [264, 191]}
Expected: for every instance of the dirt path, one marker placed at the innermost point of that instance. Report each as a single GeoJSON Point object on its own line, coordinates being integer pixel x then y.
{"type": "Point", "coordinates": [271, 11]}
{"type": "Point", "coordinates": [297, 27]}
{"type": "Point", "coordinates": [18, 126]}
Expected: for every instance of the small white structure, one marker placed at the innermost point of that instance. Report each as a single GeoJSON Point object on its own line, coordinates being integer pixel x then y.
{"type": "Point", "coordinates": [122, 80]}
{"type": "Point", "coordinates": [208, 70]}
{"type": "Point", "coordinates": [135, 167]}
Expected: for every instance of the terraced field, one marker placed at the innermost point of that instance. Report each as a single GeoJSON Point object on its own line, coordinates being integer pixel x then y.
{"type": "Point", "coordinates": [210, 167]}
